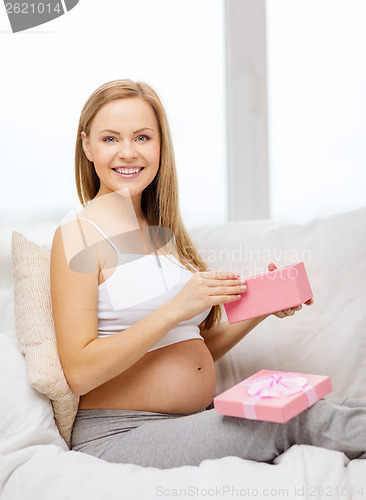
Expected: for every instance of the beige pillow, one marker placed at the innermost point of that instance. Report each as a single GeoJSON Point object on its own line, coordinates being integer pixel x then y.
{"type": "Point", "coordinates": [35, 329]}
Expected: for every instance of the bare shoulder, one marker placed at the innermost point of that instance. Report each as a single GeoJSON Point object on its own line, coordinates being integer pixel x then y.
{"type": "Point", "coordinates": [74, 287]}
{"type": "Point", "coordinates": [76, 241]}
{"type": "Point", "coordinates": [73, 258]}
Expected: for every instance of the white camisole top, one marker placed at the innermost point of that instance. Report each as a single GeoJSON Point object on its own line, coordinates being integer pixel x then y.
{"type": "Point", "coordinates": [139, 285]}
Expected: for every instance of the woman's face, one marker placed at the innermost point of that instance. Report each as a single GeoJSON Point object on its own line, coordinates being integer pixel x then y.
{"type": "Point", "coordinates": [124, 145]}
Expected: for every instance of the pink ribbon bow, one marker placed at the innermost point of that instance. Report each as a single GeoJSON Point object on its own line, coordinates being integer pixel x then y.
{"type": "Point", "coordinates": [276, 385]}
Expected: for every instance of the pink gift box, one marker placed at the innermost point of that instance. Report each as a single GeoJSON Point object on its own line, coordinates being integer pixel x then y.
{"type": "Point", "coordinates": [238, 401]}
{"type": "Point", "coordinates": [271, 292]}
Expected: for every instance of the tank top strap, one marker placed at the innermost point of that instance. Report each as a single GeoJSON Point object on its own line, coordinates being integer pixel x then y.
{"type": "Point", "coordinates": [101, 232]}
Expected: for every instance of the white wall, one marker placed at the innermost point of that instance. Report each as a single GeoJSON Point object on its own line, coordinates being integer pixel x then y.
{"type": "Point", "coordinates": [317, 106]}
{"type": "Point", "coordinates": [48, 72]}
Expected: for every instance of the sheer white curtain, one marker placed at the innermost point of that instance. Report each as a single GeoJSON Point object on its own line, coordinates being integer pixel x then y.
{"type": "Point", "coordinates": [317, 106]}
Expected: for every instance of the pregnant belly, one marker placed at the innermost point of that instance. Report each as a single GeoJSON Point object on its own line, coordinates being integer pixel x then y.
{"type": "Point", "coordinates": [179, 378]}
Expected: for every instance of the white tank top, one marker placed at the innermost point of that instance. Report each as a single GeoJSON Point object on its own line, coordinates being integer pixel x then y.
{"type": "Point", "coordinates": [139, 285]}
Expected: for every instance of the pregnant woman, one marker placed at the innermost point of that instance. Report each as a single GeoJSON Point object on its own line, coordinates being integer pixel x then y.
{"type": "Point", "coordinates": [137, 313]}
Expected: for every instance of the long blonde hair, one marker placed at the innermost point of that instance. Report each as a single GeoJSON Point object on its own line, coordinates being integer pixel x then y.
{"type": "Point", "coordinates": [159, 200]}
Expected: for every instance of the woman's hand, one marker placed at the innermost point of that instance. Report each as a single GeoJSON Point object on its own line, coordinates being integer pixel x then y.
{"type": "Point", "coordinates": [288, 312]}
{"type": "Point", "coordinates": [206, 289]}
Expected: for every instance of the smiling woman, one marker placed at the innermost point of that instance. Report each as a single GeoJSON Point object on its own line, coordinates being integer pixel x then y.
{"type": "Point", "coordinates": [143, 319]}
{"type": "Point", "coordinates": [127, 181]}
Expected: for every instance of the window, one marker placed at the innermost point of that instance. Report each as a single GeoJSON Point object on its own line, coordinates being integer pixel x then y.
{"type": "Point", "coordinates": [317, 106]}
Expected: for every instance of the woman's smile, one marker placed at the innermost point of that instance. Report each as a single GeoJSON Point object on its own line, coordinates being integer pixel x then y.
{"type": "Point", "coordinates": [128, 172]}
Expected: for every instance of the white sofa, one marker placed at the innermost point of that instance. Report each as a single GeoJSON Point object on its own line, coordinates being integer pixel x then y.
{"type": "Point", "coordinates": [327, 338]}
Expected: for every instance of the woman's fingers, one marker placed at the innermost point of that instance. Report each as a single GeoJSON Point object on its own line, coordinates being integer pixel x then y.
{"type": "Point", "coordinates": [222, 283]}
{"type": "Point", "coordinates": [227, 290]}
{"type": "Point", "coordinates": [287, 312]}
{"type": "Point", "coordinates": [284, 314]}
{"type": "Point", "coordinates": [280, 314]}
{"type": "Point", "coordinates": [223, 299]}
{"type": "Point", "coordinates": [219, 275]}
{"type": "Point", "coordinates": [212, 282]}
{"type": "Point", "coordinates": [225, 287]}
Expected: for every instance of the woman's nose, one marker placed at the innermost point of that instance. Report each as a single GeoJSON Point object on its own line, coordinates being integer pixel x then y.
{"type": "Point", "coordinates": [127, 150]}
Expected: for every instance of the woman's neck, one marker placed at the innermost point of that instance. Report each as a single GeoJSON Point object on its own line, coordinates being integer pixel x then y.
{"type": "Point", "coordinates": [118, 209]}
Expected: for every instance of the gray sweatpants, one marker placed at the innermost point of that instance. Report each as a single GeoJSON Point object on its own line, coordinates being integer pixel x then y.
{"type": "Point", "coordinates": [165, 440]}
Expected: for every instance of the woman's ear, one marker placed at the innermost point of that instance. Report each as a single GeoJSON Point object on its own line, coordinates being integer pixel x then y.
{"type": "Point", "coordinates": [86, 146]}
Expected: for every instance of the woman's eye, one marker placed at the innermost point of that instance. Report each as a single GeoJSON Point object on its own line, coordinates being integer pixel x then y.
{"type": "Point", "coordinates": [109, 139]}
{"type": "Point", "coordinates": [143, 138]}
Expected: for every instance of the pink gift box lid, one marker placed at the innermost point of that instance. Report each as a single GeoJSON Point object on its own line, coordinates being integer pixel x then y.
{"type": "Point", "coordinates": [236, 401]}
{"type": "Point", "coordinates": [270, 292]}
